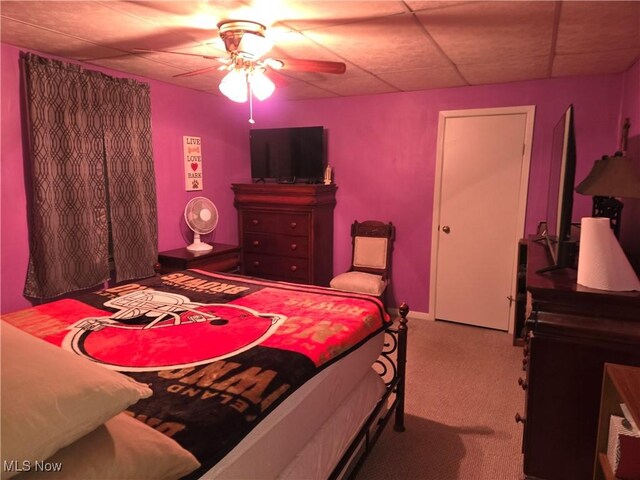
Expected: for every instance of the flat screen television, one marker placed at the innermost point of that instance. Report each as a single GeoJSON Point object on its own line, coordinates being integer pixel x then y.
{"type": "Point", "coordinates": [557, 235]}
{"type": "Point", "coordinates": [288, 155]}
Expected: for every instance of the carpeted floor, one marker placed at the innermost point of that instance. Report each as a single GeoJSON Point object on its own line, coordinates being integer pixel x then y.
{"type": "Point", "coordinates": [462, 395]}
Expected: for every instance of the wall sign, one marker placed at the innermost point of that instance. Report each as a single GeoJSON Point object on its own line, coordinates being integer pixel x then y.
{"type": "Point", "coordinates": [192, 163]}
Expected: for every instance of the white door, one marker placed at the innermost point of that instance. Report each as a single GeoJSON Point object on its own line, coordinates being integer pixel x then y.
{"type": "Point", "coordinates": [482, 175]}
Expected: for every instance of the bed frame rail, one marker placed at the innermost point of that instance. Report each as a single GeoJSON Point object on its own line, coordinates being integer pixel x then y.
{"type": "Point", "coordinates": [391, 366]}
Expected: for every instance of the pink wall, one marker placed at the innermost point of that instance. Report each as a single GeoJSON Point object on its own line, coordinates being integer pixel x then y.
{"type": "Point", "coordinates": [382, 149]}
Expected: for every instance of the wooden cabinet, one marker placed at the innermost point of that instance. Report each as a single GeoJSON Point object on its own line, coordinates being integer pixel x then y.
{"type": "Point", "coordinates": [621, 384]}
{"type": "Point", "coordinates": [223, 258]}
{"type": "Point", "coordinates": [286, 231]}
{"type": "Point", "coordinates": [572, 332]}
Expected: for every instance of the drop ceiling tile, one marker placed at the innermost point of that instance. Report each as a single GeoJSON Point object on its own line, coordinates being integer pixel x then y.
{"type": "Point", "coordinates": [194, 14]}
{"type": "Point", "coordinates": [509, 70]}
{"type": "Point", "coordinates": [99, 24]}
{"type": "Point", "coordinates": [291, 44]}
{"type": "Point", "coordinates": [381, 45]}
{"type": "Point", "coordinates": [46, 41]}
{"type": "Point", "coordinates": [595, 63]}
{"type": "Point", "coordinates": [316, 14]}
{"type": "Point", "coordinates": [185, 63]}
{"type": "Point", "coordinates": [478, 31]}
{"type": "Point", "coordinates": [132, 65]}
{"type": "Point", "coordinates": [302, 90]}
{"type": "Point", "coordinates": [424, 79]}
{"type": "Point", "coordinates": [598, 26]}
{"type": "Point", "coordinates": [363, 85]}
{"type": "Point", "coordinates": [430, 5]}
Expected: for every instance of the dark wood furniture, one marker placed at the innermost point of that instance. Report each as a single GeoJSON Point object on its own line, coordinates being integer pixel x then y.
{"type": "Point", "coordinates": [519, 312]}
{"type": "Point", "coordinates": [223, 258]}
{"type": "Point", "coordinates": [621, 384]}
{"type": "Point", "coordinates": [572, 332]}
{"type": "Point", "coordinates": [286, 231]}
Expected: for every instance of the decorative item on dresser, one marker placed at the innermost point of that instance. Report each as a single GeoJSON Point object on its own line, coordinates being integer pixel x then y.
{"type": "Point", "coordinates": [286, 231]}
{"type": "Point", "coordinates": [221, 258]}
{"type": "Point", "coordinates": [571, 333]}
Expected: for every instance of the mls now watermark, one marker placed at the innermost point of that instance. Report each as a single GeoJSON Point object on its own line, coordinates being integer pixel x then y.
{"type": "Point", "coordinates": [17, 466]}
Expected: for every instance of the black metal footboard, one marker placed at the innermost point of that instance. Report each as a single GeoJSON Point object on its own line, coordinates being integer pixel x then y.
{"type": "Point", "coordinates": [391, 366]}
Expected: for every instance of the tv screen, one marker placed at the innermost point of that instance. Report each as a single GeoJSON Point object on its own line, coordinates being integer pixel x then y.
{"type": "Point", "coordinates": [560, 195]}
{"type": "Point", "coordinates": [294, 154]}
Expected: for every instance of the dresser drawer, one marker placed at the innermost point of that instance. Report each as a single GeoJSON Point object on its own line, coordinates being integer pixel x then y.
{"type": "Point", "coordinates": [282, 267]}
{"type": "Point", "coordinates": [258, 221]}
{"type": "Point", "coordinates": [284, 245]}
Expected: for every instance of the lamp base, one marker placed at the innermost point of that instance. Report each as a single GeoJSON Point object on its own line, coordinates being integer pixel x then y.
{"type": "Point", "coordinates": [611, 208]}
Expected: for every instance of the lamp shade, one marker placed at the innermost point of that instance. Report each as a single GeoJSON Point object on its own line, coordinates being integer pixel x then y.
{"type": "Point", "coordinates": [602, 263]}
{"type": "Point", "coordinates": [261, 86]}
{"type": "Point", "coordinates": [234, 85]}
{"type": "Point", "coordinates": [611, 177]}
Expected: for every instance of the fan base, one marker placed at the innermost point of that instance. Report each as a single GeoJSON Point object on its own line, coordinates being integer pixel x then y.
{"type": "Point", "coordinates": [199, 247]}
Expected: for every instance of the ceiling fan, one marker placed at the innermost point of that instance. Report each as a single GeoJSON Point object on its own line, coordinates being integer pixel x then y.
{"type": "Point", "coordinates": [246, 43]}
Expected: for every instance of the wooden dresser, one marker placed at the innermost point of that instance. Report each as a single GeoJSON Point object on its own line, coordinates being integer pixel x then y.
{"type": "Point", "coordinates": [286, 231]}
{"type": "Point", "coordinates": [571, 333]}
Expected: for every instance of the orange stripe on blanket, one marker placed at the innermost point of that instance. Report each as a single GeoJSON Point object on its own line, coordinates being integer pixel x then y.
{"type": "Point", "coordinates": [50, 321]}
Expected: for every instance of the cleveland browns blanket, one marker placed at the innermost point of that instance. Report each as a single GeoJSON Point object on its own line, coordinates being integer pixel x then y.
{"type": "Point", "coordinates": [219, 351]}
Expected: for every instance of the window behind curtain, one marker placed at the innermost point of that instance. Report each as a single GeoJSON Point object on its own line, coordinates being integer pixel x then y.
{"type": "Point", "coordinates": [90, 163]}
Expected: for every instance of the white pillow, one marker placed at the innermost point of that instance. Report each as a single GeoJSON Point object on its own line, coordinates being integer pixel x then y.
{"type": "Point", "coordinates": [51, 397]}
{"type": "Point", "coordinates": [360, 282]}
{"type": "Point", "coordinates": [121, 448]}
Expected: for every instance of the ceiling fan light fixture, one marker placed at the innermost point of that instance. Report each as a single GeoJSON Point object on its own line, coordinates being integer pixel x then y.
{"type": "Point", "coordinates": [261, 86]}
{"type": "Point", "coordinates": [234, 86]}
{"type": "Point", "coordinates": [253, 46]}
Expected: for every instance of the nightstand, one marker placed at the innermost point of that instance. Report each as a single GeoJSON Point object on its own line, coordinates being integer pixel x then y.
{"type": "Point", "coordinates": [223, 258]}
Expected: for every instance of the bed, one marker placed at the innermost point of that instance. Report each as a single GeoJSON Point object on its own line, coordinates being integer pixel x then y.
{"type": "Point", "coordinates": [247, 378]}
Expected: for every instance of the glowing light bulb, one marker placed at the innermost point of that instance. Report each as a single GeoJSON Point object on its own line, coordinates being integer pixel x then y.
{"type": "Point", "coordinates": [261, 86]}
{"type": "Point", "coordinates": [234, 86]}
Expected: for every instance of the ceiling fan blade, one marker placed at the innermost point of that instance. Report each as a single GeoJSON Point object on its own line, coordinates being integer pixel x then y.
{"type": "Point", "coordinates": [208, 57]}
{"type": "Point", "coordinates": [197, 72]}
{"type": "Point", "coordinates": [320, 66]}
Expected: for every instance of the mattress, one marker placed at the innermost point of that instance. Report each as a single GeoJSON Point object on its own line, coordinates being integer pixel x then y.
{"type": "Point", "coordinates": [325, 449]}
{"type": "Point", "coordinates": [273, 444]}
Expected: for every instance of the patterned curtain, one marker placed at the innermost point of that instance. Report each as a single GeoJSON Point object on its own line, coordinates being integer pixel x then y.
{"type": "Point", "coordinates": [69, 118]}
{"type": "Point", "coordinates": [131, 178]}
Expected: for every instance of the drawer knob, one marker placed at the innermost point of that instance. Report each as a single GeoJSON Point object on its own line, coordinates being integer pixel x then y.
{"type": "Point", "coordinates": [294, 246]}
{"type": "Point", "coordinates": [256, 243]}
{"type": "Point", "coordinates": [294, 224]}
{"type": "Point", "coordinates": [256, 263]}
{"type": "Point", "coordinates": [523, 383]}
{"type": "Point", "coordinates": [520, 419]}
{"type": "Point", "coordinates": [293, 268]}
{"type": "Point", "coordinates": [255, 221]}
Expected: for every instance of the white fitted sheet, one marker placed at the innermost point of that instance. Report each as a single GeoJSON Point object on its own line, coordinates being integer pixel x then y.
{"type": "Point", "coordinates": [323, 452]}
{"type": "Point", "coordinates": [273, 444]}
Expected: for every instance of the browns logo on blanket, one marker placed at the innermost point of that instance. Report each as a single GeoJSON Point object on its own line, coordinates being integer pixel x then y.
{"type": "Point", "coordinates": [219, 351]}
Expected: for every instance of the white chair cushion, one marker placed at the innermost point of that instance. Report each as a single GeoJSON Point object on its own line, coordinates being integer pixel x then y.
{"type": "Point", "coordinates": [370, 252]}
{"type": "Point", "coordinates": [359, 282]}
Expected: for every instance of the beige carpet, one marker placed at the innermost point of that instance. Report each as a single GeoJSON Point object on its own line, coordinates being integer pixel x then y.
{"type": "Point", "coordinates": [462, 395]}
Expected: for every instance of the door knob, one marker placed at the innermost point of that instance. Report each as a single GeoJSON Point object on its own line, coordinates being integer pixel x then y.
{"type": "Point", "coordinates": [446, 229]}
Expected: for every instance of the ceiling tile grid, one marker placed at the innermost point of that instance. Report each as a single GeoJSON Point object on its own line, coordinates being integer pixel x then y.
{"type": "Point", "coordinates": [387, 46]}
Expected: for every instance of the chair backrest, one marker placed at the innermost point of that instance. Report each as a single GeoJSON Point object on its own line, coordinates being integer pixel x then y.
{"type": "Point", "coordinates": [372, 243]}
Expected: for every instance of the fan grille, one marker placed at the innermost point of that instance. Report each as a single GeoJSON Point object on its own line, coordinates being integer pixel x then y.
{"type": "Point", "coordinates": [201, 215]}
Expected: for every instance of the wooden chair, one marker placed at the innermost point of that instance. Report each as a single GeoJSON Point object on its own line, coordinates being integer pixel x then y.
{"type": "Point", "coordinates": [370, 268]}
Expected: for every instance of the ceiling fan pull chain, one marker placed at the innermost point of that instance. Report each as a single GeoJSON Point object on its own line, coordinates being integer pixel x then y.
{"type": "Point", "coordinates": [251, 120]}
